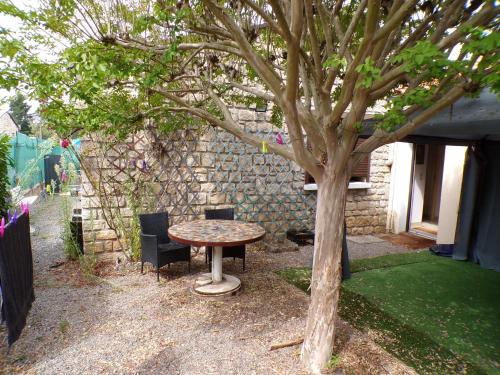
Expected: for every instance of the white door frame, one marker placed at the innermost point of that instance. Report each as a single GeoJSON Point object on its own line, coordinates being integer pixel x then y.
{"type": "Point", "coordinates": [400, 187]}
{"type": "Point", "coordinates": [401, 190]}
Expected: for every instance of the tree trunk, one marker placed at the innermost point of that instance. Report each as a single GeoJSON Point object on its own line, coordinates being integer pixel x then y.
{"type": "Point", "coordinates": [326, 276]}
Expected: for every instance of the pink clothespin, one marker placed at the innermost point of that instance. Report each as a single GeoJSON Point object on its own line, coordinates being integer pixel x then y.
{"type": "Point", "coordinates": [2, 227]}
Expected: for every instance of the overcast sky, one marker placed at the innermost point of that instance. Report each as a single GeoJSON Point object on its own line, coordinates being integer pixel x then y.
{"type": "Point", "coordinates": [13, 24]}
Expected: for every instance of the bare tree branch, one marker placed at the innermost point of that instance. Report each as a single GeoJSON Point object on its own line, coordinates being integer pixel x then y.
{"type": "Point", "coordinates": [228, 124]}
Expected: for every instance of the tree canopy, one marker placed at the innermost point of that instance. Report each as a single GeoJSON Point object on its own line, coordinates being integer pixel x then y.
{"type": "Point", "coordinates": [112, 64]}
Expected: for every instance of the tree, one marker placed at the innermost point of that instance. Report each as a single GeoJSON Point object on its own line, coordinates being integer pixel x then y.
{"type": "Point", "coordinates": [321, 64]}
{"type": "Point", "coordinates": [19, 109]}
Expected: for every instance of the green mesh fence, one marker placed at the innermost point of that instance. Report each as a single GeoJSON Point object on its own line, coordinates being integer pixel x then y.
{"type": "Point", "coordinates": [28, 155]}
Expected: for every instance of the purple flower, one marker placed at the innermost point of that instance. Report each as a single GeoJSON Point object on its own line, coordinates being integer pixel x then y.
{"type": "Point", "coordinates": [14, 218]}
{"type": "Point", "coordinates": [2, 227]}
{"type": "Point", "coordinates": [279, 139]}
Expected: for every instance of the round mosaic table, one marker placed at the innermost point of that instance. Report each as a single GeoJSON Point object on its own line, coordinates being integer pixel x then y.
{"type": "Point", "coordinates": [216, 233]}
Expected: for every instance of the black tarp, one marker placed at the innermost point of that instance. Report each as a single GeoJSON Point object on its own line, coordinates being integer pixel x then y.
{"type": "Point", "coordinates": [16, 276]}
{"type": "Point", "coordinates": [478, 228]}
{"type": "Point", "coordinates": [466, 121]}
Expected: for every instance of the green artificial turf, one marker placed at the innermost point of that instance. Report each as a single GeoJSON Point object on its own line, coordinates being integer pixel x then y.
{"type": "Point", "coordinates": [391, 260]}
{"type": "Point", "coordinates": [436, 314]}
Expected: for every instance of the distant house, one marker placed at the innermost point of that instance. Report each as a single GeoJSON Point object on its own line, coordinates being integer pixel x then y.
{"type": "Point", "coordinates": [7, 125]}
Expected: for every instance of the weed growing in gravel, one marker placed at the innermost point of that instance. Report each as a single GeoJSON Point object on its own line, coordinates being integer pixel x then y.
{"type": "Point", "coordinates": [334, 362]}
{"type": "Point", "coordinates": [88, 264]}
{"type": "Point", "coordinates": [71, 249]}
{"type": "Point", "coordinates": [63, 326]}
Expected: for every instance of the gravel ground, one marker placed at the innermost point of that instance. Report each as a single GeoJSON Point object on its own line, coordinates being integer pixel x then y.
{"type": "Point", "coordinates": [127, 323]}
{"type": "Point", "coordinates": [360, 251]}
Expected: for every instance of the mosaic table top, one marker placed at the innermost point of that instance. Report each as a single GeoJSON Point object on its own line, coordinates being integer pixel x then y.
{"type": "Point", "coordinates": [216, 233]}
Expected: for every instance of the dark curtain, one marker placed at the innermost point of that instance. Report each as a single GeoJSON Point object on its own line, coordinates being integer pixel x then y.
{"type": "Point", "coordinates": [16, 276]}
{"type": "Point", "coordinates": [346, 271]}
{"type": "Point", "coordinates": [478, 231]}
{"type": "Point", "coordinates": [468, 203]}
{"type": "Point", "coordinates": [486, 248]}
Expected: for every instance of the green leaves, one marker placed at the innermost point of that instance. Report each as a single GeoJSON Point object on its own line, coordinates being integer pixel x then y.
{"type": "Point", "coordinates": [335, 61]}
{"type": "Point", "coordinates": [277, 116]}
{"type": "Point", "coordinates": [423, 57]}
{"type": "Point", "coordinates": [369, 73]}
{"type": "Point", "coordinates": [486, 69]}
{"type": "Point", "coordinates": [482, 42]}
{"type": "Point", "coordinates": [395, 117]}
{"type": "Point", "coordinates": [9, 48]}
{"type": "Point", "coordinates": [8, 7]}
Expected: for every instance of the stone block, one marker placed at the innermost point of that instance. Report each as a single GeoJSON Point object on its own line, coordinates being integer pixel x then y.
{"type": "Point", "coordinates": [363, 221]}
{"type": "Point", "coordinates": [350, 221]}
{"type": "Point", "coordinates": [351, 206]}
{"type": "Point", "coordinates": [107, 234]}
{"type": "Point", "coordinates": [217, 198]}
{"type": "Point", "coordinates": [246, 115]}
{"type": "Point", "coordinates": [363, 205]}
{"type": "Point", "coordinates": [108, 245]}
{"type": "Point", "coordinates": [93, 247]}
{"type": "Point", "coordinates": [199, 198]}
{"type": "Point", "coordinates": [207, 160]}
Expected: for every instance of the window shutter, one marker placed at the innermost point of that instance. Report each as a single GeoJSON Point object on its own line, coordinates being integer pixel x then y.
{"type": "Point", "coordinates": [308, 179]}
{"type": "Point", "coordinates": [362, 171]}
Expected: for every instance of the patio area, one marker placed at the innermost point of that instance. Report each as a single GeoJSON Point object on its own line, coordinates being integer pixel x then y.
{"type": "Point", "coordinates": [436, 314]}
{"type": "Point", "coordinates": [126, 323]}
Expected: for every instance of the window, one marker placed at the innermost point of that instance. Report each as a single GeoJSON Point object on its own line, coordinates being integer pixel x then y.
{"type": "Point", "coordinates": [360, 174]}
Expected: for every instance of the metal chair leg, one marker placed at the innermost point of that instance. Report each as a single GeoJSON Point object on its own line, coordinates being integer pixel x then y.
{"type": "Point", "coordinates": [142, 268]}
{"type": "Point", "coordinates": [243, 264]}
{"type": "Point", "coordinates": [158, 274]}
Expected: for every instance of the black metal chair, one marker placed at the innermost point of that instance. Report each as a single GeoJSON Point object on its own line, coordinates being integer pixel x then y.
{"type": "Point", "coordinates": [157, 248]}
{"type": "Point", "coordinates": [227, 251]}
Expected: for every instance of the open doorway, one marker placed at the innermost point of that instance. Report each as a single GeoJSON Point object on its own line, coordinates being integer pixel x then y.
{"type": "Point", "coordinates": [426, 190]}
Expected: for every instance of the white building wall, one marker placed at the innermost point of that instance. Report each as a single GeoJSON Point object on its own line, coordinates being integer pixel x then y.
{"type": "Point", "coordinates": [7, 125]}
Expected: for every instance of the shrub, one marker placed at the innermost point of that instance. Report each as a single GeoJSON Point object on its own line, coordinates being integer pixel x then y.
{"type": "Point", "coordinates": [71, 249]}
{"type": "Point", "coordinates": [5, 161]}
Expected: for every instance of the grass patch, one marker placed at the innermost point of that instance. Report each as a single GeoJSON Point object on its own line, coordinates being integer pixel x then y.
{"type": "Point", "coordinates": [88, 264]}
{"type": "Point", "coordinates": [63, 326]}
{"type": "Point", "coordinates": [438, 315]}
{"type": "Point", "coordinates": [334, 362]}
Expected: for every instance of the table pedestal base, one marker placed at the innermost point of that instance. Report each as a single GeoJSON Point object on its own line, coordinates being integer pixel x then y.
{"type": "Point", "coordinates": [205, 286]}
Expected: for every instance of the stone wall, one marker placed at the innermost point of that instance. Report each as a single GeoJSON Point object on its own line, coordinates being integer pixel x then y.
{"type": "Point", "coordinates": [191, 171]}
{"type": "Point", "coordinates": [366, 209]}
